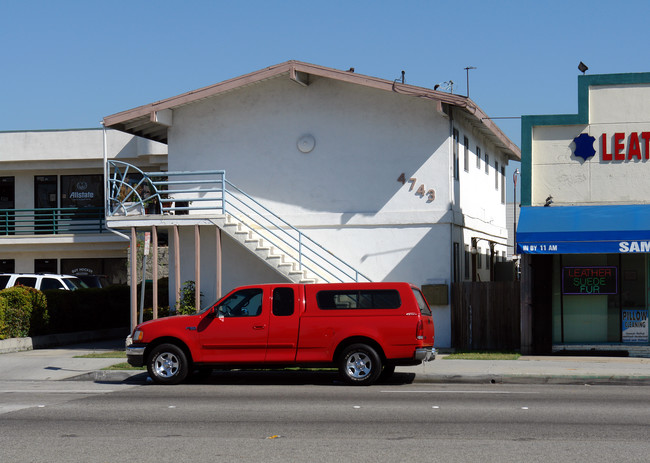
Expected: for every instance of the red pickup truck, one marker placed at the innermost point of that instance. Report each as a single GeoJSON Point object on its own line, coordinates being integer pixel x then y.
{"type": "Point", "coordinates": [364, 329]}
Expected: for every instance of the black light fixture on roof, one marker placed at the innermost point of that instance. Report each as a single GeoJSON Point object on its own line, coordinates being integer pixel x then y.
{"type": "Point", "coordinates": [582, 67]}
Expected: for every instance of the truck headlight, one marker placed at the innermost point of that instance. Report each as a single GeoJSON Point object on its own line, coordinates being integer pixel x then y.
{"type": "Point", "coordinates": [138, 335]}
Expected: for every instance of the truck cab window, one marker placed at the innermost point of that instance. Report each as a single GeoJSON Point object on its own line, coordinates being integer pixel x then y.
{"type": "Point", "coordinates": [283, 302]}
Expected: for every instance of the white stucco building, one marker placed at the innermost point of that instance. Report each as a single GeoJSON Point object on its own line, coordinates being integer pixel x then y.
{"type": "Point", "coordinates": [52, 200]}
{"type": "Point", "coordinates": [399, 182]}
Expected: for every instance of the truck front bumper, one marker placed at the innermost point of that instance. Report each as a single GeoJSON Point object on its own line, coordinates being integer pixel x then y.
{"type": "Point", "coordinates": [134, 353]}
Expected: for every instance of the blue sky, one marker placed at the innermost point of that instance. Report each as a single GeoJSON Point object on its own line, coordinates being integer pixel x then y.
{"type": "Point", "coordinates": [67, 64]}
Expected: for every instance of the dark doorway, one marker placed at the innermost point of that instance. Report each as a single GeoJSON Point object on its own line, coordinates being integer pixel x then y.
{"type": "Point", "coordinates": [45, 190]}
{"type": "Point", "coordinates": [7, 205]}
{"type": "Point", "coordinates": [45, 266]}
{"type": "Point", "coordinates": [7, 266]}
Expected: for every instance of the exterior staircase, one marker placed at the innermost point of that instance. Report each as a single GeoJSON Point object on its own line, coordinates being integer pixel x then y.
{"type": "Point", "coordinates": [282, 262]}
{"type": "Point", "coordinates": [208, 195]}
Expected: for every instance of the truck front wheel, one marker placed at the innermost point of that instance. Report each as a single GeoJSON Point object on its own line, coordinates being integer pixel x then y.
{"type": "Point", "coordinates": [167, 364]}
{"type": "Point", "coordinates": [359, 365]}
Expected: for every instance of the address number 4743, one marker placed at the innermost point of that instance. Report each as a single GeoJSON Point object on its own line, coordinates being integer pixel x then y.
{"type": "Point", "coordinates": [421, 191]}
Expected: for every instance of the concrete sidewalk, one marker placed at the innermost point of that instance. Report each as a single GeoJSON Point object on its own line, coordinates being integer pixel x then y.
{"type": "Point", "coordinates": [57, 364]}
{"type": "Point", "coordinates": [535, 370]}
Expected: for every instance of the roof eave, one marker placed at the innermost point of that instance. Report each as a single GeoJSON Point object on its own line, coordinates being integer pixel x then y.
{"type": "Point", "coordinates": [144, 120]}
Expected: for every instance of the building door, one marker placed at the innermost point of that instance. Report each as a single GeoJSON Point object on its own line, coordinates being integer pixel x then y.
{"type": "Point", "coordinates": [7, 205]}
{"type": "Point", "coordinates": [45, 198]}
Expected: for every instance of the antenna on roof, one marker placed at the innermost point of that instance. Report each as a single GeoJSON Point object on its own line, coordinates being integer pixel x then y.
{"type": "Point", "coordinates": [467, 71]}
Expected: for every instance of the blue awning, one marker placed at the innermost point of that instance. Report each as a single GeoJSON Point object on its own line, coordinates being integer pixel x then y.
{"type": "Point", "coordinates": [584, 229]}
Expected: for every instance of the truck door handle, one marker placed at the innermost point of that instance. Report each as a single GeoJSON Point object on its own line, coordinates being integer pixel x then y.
{"type": "Point", "coordinates": [259, 327]}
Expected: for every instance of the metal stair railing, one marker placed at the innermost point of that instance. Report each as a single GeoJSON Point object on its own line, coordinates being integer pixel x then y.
{"type": "Point", "coordinates": [132, 191]}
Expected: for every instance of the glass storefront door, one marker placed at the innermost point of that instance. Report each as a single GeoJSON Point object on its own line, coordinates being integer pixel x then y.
{"type": "Point", "coordinates": [45, 193]}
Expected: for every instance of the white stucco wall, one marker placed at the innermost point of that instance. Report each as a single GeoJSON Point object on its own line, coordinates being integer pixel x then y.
{"type": "Point", "coordinates": [556, 171]}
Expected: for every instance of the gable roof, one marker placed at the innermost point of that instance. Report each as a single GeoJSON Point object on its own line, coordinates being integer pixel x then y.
{"type": "Point", "coordinates": [149, 121]}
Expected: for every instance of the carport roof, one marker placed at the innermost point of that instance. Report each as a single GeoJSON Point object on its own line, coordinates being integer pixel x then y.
{"type": "Point", "coordinates": [151, 120]}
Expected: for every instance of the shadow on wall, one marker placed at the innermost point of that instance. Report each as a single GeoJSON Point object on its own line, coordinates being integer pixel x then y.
{"type": "Point", "coordinates": [364, 140]}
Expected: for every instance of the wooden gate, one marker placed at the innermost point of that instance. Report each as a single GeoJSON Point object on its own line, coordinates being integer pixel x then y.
{"type": "Point", "coordinates": [485, 316]}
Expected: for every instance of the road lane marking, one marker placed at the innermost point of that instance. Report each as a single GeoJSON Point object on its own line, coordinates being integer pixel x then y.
{"type": "Point", "coordinates": [54, 391]}
{"type": "Point", "coordinates": [460, 392]}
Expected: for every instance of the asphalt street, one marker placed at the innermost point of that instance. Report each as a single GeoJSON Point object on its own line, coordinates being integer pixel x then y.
{"type": "Point", "coordinates": [325, 422]}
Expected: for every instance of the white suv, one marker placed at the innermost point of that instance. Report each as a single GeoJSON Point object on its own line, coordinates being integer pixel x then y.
{"type": "Point", "coordinates": [41, 281]}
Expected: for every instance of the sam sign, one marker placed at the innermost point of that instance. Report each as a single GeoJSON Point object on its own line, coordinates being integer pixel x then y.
{"type": "Point", "coordinates": [589, 280]}
{"type": "Point", "coordinates": [635, 325]}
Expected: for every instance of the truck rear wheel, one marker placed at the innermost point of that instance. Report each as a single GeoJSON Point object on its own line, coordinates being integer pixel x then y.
{"type": "Point", "coordinates": [167, 364]}
{"type": "Point", "coordinates": [359, 365]}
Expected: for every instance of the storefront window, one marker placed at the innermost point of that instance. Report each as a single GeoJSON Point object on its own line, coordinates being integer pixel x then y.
{"type": "Point", "coordinates": [82, 191]}
{"type": "Point", "coordinates": [593, 296]}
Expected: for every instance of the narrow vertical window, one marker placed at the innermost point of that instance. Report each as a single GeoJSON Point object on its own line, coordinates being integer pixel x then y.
{"type": "Point", "coordinates": [467, 255]}
{"type": "Point", "coordinates": [503, 185]}
{"type": "Point", "coordinates": [456, 167]}
{"type": "Point", "coordinates": [478, 157]}
{"type": "Point", "coordinates": [487, 163]}
{"type": "Point", "coordinates": [466, 153]}
{"type": "Point", "coordinates": [496, 175]}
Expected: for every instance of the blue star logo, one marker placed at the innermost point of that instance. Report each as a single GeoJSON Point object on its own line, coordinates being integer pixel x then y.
{"type": "Point", "coordinates": [584, 146]}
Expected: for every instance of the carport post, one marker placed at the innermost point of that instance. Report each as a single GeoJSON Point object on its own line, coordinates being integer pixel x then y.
{"type": "Point", "coordinates": [134, 280]}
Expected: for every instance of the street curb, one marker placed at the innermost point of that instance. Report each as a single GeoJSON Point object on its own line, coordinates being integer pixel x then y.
{"type": "Point", "coordinates": [534, 379]}
{"type": "Point", "coordinates": [108, 376]}
{"type": "Point", "coordinates": [125, 376]}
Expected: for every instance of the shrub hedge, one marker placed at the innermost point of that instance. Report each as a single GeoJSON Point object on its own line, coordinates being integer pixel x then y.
{"type": "Point", "coordinates": [17, 312]}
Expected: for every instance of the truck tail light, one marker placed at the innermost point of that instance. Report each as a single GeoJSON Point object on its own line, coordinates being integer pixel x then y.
{"type": "Point", "coordinates": [419, 330]}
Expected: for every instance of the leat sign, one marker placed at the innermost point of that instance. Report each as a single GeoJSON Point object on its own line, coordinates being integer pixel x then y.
{"type": "Point", "coordinates": [635, 325]}
{"type": "Point", "coordinates": [589, 280]}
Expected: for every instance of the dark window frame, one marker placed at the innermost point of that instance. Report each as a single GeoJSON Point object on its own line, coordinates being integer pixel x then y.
{"type": "Point", "coordinates": [366, 299]}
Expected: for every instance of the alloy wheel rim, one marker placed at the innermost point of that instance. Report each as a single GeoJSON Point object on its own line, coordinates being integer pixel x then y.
{"type": "Point", "coordinates": [166, 365]}
{"type": "Point", "coordinates": [359, 365]}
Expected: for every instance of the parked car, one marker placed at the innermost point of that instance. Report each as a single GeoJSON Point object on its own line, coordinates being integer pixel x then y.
{"type": "Point", "coordinates": [95, 281]}
{"type": "Point", "coordinates": [364, 329]}
{"type": "Point", "coordinates": [41, 281]}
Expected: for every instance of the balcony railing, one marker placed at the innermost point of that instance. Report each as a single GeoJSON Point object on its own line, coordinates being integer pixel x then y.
{"type": "Point", "coordinates": [52, 221]}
